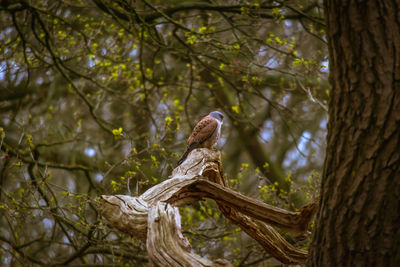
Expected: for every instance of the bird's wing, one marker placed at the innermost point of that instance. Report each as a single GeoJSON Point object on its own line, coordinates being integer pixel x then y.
{"type": "Point", "coordinates": [203, 130]}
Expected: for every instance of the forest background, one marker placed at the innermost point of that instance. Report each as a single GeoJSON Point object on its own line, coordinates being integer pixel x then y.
{"type": "Point", "coordinates": [98, 97]}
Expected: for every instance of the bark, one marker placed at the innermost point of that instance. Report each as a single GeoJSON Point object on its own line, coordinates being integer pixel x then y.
{"type": "Point", "coordinates": [359, 215]}
{"type": "Point", "coordinates": [154, 218]}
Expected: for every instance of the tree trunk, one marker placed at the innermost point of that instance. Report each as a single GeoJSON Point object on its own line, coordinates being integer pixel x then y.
{"type": "Point", "coordinates": [358, 221]}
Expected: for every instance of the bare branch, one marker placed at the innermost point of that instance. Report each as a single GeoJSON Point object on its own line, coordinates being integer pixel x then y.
{"type": "Point", "coordinates": [295, 222]}
{"type": "Point", "coordinates": [150, 217]}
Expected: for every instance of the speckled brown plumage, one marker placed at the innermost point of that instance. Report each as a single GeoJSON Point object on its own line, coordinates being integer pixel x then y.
{"type": "Point", "coordinates": [203, 130]}
{"type": "Point", "coordinates": [205, 134]}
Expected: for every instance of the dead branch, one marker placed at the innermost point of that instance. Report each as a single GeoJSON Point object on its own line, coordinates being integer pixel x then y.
{"type": "Point", "coordinates": [154, 218]}
{"type": "Point", "coordinates": [294, 222]}
{"type": "Point", "coordinates": [165, 243]}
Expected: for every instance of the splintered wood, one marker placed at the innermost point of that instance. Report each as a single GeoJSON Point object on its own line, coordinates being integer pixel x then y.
{"type": "Point", "coordinates": [154, 217]}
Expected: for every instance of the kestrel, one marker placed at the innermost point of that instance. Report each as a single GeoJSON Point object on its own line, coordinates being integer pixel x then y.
{"type": "Point", "coordinates": [205, 134]}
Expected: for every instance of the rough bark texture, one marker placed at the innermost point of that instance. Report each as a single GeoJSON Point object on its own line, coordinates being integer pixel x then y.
{"type": "Point", "coordinates": [152, 218]}
{"type": "Point", "coordinates": [359, 215]}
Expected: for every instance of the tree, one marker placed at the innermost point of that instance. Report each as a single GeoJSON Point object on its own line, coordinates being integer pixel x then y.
{"type": "Point", "coordinates": [359, 216]}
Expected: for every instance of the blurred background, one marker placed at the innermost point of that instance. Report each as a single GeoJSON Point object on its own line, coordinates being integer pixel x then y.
{"type": "Point", "coordinates": [99, 97]}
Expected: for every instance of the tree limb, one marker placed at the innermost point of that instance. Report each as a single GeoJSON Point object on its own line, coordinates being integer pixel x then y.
{"type": "Point", "coordinates": [152, 218]}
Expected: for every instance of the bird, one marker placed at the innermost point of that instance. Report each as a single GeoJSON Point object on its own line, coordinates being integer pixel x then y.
{"type": "Point", "coordinates": [205, 134]}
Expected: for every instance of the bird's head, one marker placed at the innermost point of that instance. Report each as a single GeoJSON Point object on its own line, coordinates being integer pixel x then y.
{"type": "Point", "coordinates": [217, 115]}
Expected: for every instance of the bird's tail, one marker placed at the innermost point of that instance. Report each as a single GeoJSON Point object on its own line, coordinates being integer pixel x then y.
{"type": "Point", "coordinates": [188, 150]}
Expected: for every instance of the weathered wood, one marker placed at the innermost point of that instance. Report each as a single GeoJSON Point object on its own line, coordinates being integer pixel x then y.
{"type": "Point", "coordinates": [151, 217]}
{"type": "Point", "coordinates": [165, 243]}
{"type": "Point", "coordinates": [295, 222]}
{"type": "Point", "coordinates": [127, 214]}
{"type": "Point", "coordinates": [264, 234]}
